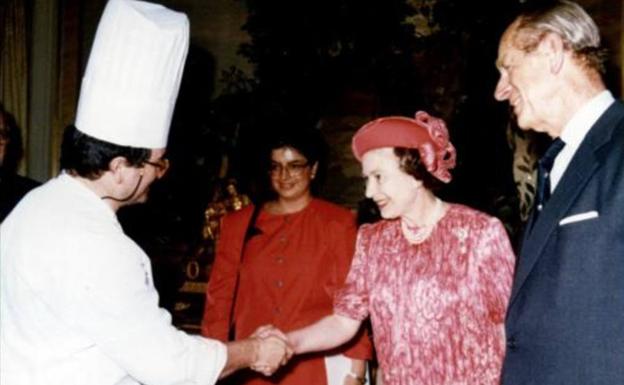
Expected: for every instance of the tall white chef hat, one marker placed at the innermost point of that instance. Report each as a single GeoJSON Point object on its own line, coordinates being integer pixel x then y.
{"type": "Point", "coordinates": [133, 75]}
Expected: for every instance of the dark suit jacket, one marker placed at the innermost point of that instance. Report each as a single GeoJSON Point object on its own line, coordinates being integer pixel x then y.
{"type": "Point", "coordinates": [565, 321]}
{"type": "Point", "coordinates": [13, 187]}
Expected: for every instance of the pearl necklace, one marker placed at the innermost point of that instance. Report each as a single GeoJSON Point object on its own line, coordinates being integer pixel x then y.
{"type": "Point", "coordinates": [418, 234]}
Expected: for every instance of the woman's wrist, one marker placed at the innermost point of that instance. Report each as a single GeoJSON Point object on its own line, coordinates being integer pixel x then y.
{"type": "Point", "coordinates": [294, 342]}
{"type": "Point", "coordinates": [358, 370]}
{"type": "Point", "coordinates": [361, 379]}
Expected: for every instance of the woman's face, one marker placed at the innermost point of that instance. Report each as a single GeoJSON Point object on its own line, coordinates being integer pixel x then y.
{"type": "Point", "coordinates": [393, 190]}
{"type": "Point", "coordinates": [290, 173]}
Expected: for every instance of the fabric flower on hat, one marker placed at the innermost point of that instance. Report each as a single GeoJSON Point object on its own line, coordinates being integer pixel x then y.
{"type": "Point", "coordinates": [441, 155]}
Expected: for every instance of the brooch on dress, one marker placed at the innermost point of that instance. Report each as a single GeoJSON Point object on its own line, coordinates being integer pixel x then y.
{"type": "Point", "coordinates": [462, 235]}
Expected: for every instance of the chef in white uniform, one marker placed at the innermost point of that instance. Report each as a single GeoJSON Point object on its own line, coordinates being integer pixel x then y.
{"type": "Point", "coordinates": [77, 301]}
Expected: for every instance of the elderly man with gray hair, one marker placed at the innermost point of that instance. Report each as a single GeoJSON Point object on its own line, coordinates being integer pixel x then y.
{"type": "Point", "coordinates": [565, 321]}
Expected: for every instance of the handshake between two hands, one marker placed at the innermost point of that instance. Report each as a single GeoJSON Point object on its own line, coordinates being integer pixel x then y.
{"type": "Point", "coordinates": [274, 349]}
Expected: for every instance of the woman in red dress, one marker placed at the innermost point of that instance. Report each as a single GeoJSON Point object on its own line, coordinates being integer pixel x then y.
{"type": "Point", "coordinates": [295, 255]}
{"type": "Point", "coordinates": [434, 277]}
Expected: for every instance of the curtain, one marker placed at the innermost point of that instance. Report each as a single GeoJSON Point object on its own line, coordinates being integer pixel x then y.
{"type": "Point", "coordinates": [14, 62]}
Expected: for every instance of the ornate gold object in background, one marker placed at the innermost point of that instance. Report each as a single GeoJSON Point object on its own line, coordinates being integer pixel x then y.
{"type": "Point", "coordinates": [212, 215]}
{"type": "Point", "coordinates": [232, 201]}
{"type": "Point", "coordinates": [189, 306]}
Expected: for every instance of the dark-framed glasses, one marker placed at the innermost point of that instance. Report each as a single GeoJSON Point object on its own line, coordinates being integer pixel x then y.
{"type": "Point", "coordinates": [294, 168]}
{"type": "Point", "coordinates": [161, 166]}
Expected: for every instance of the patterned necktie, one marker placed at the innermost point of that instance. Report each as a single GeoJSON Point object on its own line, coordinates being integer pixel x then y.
{"type": "Point", "coordinates": [544, 166]}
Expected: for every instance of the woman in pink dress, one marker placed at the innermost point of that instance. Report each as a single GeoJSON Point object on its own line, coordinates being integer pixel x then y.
{"type": "Point", "coordinates": [434, 277]}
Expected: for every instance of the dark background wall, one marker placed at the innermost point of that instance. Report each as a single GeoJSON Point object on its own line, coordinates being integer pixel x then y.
{"type": "Point", "coordinates": [331, 64]}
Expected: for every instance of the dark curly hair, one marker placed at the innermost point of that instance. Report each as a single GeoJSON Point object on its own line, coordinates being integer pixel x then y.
{"type": "Point", "coordinates": [409, 162]}
{"type": "Point", "coordinates": [307, 141]}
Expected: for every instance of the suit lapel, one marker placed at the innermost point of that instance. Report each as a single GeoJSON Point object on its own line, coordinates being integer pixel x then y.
{"type": "Point", "coordinates": [583, 165]}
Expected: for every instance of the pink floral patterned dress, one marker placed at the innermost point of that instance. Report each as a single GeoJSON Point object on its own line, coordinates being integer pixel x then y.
{"type": "Point", "coordinates": [437, 308]}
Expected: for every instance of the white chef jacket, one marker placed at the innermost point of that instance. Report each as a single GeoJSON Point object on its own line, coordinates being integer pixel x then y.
{"type": "Point", "coordinates": [77, 301]}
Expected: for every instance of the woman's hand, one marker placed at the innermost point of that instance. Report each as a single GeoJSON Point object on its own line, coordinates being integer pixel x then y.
{"type": "Point", "coordinates": [272, 341]}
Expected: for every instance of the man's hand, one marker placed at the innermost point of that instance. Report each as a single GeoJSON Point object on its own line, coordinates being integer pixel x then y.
{"type": "Point", "coordinates": [273, 350]}
{"type": "Point", "coordinates": [264, 352]}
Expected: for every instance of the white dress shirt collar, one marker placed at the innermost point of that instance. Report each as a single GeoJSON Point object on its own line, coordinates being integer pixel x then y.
{"type": "Point", "coordinates": [575, 131]}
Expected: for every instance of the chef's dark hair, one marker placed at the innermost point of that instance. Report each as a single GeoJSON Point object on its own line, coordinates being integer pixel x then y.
{"type": "Point", "coordinates": [88, 157]}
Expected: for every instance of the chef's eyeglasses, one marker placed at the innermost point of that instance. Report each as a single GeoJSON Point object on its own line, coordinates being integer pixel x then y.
{"type": "Point", "coordinates": [161, 166]}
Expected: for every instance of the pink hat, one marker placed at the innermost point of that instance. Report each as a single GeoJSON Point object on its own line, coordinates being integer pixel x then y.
{"type": "Point", "coordinates": [426, 133]}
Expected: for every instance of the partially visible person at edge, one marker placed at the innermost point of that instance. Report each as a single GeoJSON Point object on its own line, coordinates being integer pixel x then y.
{"type": "Point", "coordinates": [434, 277]}
{"type": "Point", "coordinates": [77, 300]}
{"type": "Point", "coordinates": [287, 255]}
{"type": "Point", "coordinates": [565, 323]}
{"type": "Point", "coordinates": [12, 185]}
